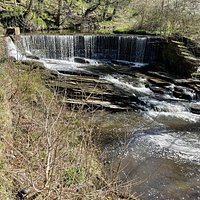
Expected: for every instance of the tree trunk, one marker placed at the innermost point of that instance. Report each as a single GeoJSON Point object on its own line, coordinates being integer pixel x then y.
{"type": "Point", "coordinates": [59, 13]}
{"type": "Point", "coordinates": [30, 5]}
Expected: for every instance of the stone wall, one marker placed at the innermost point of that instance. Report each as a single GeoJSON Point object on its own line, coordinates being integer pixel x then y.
{"type": "Point", "coordinates": [178, 59]}
{"type": "Point", "coordinates": [192, 45]}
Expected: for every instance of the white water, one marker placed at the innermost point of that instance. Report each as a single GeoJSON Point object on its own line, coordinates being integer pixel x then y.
{"type": "Point", "coordinates": [141, 89]}
{"type": "Point", "coordinates": [13, 51]}
{"type": "Point", "coordinates": [170, 110]}
{"type": "Point", "coordinates": [130, 48]}
{"type": "Point", "coordinates": [140, 49]}
{"type": "Point", "coordinates": [155, 107]}
{"type": "Point", "coordinates": [181, 145]}
{"type": "Point", "coordinates": [62, 65]}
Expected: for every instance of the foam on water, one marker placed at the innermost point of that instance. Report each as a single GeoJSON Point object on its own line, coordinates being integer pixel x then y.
{"type": "Point", "coordinates": [183, 146]}
{"type": "Point", "coordinates": [169, 108]}
{"type": "Point", "coordinates": [127, 86]}
{"type": "Point", "coordinates": [166, 107]}
{"type": "Point", "coordinates": [187, 116]}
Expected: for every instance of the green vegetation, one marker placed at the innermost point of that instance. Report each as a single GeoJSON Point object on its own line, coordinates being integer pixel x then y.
{"type": "Point", "coordinates": [157, 16]}
{"type": "Point", "coordinates": [5, 138]}
{"type": "Point", "coordinates": [47, 150]}
{"type": "Point", "coordinates": [179, 60]}
{"type": "Point", "coordinates": [74, 176]}
{"type": "Point", "coordinates": [5, 133]}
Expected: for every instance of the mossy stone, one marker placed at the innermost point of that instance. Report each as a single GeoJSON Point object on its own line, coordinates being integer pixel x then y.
{"type": "Point", "coordinates": [179, 60]}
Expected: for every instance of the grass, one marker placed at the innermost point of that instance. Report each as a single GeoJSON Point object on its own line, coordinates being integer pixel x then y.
{"type": "Point", "coordinates": [5, 133]}
{"type": "Point", "coordinates": [47, 151]}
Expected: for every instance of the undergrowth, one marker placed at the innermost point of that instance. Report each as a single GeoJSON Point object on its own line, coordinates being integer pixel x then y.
{"type": "Point", "coordinates": [47, 150]}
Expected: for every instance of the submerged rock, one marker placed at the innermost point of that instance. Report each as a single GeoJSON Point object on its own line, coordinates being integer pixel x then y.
{"type": "Point", "coordinates": [80, 60]}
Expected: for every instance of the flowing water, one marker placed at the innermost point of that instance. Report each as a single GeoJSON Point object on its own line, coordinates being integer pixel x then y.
{"type": "Point", "coordinates": [160, 157]}
{"type": "Point", "coordinates": [159, 154]}
{"type": "Point", "coordinates": [140, 49]}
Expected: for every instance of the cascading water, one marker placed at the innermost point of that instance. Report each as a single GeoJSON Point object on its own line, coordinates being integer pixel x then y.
{"type": "Point", "coordinates": [128, 48]}
{"type": "Point", "coordinates": [13, 50]}
{"type": "Point", "coordinates": [140, 49]}
{"type": "Point", "coordinates": [164, 144]}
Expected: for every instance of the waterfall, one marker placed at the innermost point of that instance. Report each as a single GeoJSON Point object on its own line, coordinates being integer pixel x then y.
{"type": "Point", "coordinates": [140, 49]}
{"type": "Point", "coordinates": [108, 47]}
{"type": "Point", "coordinates": [13, 51]}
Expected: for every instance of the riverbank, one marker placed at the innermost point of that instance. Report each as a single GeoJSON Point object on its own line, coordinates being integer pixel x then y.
{"type": "Point", "coordinates": [5, 132]}
{"type": "Point", "coordinates": [50, 151]}
{"type": "Point", "coordinates": [103, 16]}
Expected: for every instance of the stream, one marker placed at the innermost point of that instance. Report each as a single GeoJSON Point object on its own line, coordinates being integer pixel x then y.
{"type": "Point", "coordinates": [160, 157]}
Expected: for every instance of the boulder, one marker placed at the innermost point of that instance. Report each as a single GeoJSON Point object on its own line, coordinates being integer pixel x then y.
{"type": "Point", "coordinates": [81, 60]}
{"type": "Point", "coordinates": [195, 108]}
{"type": "Point", "coordinates": [182, 95]}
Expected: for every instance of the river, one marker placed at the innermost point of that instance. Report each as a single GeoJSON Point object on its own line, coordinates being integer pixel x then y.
{"type": "Point", "coordinates": [157, 151]}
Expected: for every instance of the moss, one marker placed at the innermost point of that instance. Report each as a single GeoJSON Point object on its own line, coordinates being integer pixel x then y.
{"type": "Point", "coordinates": [121, 29]}
{"type": "Point", "coordinates": [30, 65]}
{"type": "Point", "coordinates": [179, 60]}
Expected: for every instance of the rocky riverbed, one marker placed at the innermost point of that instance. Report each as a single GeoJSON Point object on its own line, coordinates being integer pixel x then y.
{"type": "Point", "coordinates": [119, 88]}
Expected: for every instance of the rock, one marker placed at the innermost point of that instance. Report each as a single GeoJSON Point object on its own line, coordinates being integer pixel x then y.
{"type": "Point", "coordinates": [186, 82]}
{"type": "Point", "coordinates": [156, 89]}
{"type": "Point", "coordinates": [1, 30]}
{"type": "Point", "coordinates": [182, 46]}
{"type": "Point", "coordinates": [177, 42]}
{"type": "Point", "coordinates": [161, 76]}
{"type": "Point", "coordinates": [81, 60]}
{"type": "Point", "coordinates": [78, 72]}
{"type": "Point", "coordinates": [13, 31]}
{"type": "Point", "coordinates": [184, 93]}
{"type": "Point", "coordinates": [159, 82]}
{"type": "Point", "coordinates": [22, 193]}
{"type": "Point", "coordinates": [195, 108]}
{"type": "Point", "coordinates": [33, 64]}
{"type": "Point", "coordinates": [120, 62]}
{"type": "Point", "coordinates": [181, 95]}
{"type": "Point", "coordinates": [179, 59]}
{"type": "Point", "coordinates": [91, 104]}
{"type": "Point", "coordinates": [92, 92]}
{"type": "Point", "coordinates": [185, 53]}
{"type": "Point", "coordinates": [196, 75]}
{"type": "Point", "coordinates": [31, 56]}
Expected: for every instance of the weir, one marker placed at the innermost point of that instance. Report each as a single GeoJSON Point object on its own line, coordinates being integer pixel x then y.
{"type": "Point", "coordinates": [142, 49]}
{"type": "Point", "coordinates": [162, 122]}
